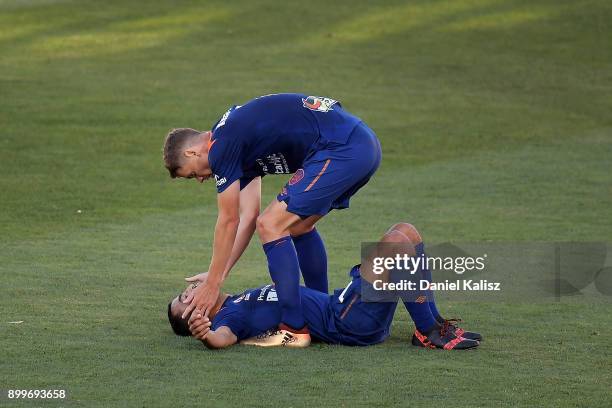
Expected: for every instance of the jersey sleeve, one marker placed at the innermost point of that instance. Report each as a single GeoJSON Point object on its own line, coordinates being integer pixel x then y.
{"type": "Point", "coordinates": [225, 159]}
{"type": "Point", "coordinates": [234, 320]}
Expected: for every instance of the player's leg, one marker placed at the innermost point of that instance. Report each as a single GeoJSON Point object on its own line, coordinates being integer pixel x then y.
{"type": "Point", "coordinates": [327, 174]}
{"type": "Point", "coordinates": [391, 244]}
{"type": "Point", "coordinates": [360, 323]}
{"type": "Point", "coordinates": [428, 333]}
{"type": "Point", "coordinates": [329, 178]}
{"type": "Point", "coordinates": [311, 253]}
{"type": "Point", "coordinates": [273, 227]}
{"type": "Point", "coordinates": [412, 234]}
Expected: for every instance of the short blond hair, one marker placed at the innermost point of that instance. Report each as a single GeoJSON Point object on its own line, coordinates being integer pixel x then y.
{"type": "Point", "coordinates": [176, 142]}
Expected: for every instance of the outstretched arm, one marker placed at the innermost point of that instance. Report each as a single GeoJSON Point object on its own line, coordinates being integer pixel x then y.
{"type": "Point", "coordinates": [250, 202]}
{"type": "Point", "coordinates": [228, 202]}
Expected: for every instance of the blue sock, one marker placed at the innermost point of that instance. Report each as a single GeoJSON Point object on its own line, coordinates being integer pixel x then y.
{"type": "Point", "coordinates": [420, 251]}
{"type": "Point", "coordinates": [285, 272]}
{"type": "Point", "coordinates": [313, 260]}
{"type": "Point", "coordinates": [421, 316]}
{"type": "Point", "coordinates": [416, 305]}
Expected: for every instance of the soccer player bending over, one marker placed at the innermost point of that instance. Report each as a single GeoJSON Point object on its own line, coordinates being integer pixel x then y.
{"type": "Point", "coordinates": [341, 318]}
{"type": "Point", "coordinates": [332, 155]}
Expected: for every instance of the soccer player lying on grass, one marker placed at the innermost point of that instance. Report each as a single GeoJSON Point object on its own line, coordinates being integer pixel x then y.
{"type": "Point", "coordinates": [341, 318]}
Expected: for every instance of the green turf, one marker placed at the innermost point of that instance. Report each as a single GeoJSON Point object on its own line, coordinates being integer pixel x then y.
{"type": "Point", "coordinates": [495, 122]}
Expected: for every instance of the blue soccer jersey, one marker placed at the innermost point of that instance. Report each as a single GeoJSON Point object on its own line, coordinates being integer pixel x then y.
{"type": "Point", "coordinates": [340, 318]}
{"type": "Point", "coordinates": [274, 134]}
{"type": "Point", "coordinates": [255, 311]}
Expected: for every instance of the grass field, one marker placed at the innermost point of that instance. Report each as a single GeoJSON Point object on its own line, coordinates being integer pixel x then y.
{"type": "Point", "coordinates": [495, 121]}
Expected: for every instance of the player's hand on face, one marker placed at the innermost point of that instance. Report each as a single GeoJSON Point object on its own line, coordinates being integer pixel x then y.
{"type": "Point", "coordinates": [203, 297]}
{"type": "Point", "coordinates": [200, 277]}
{"type": "Point", "coordinates": [196, 280]}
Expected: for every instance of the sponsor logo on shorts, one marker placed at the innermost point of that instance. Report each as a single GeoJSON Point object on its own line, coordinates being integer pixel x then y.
{"type": "Point", "coordinates": [319, 103]}
{"type": "Point", "coordinates": [297, 177]}
{"type": "Point", "coordinates": [220, 181]}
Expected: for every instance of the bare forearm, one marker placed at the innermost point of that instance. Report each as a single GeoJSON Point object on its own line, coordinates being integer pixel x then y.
{"type": "Point", "coordinates": [250, 203]}
{"type": "Point", "coordinates": [211, 342]}
{"type": "Point", "coordinates": [243, 237]}
{"type": "Point", "coordinates": [220, 338]}
{"type": "Point", "coordinates": [225, 235]}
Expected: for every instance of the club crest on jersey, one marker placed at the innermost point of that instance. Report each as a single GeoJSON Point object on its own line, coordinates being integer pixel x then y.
{"type": "Point", "coordinates": [297, 177]}
{"type": "Point", "coordinates": [319, 103]}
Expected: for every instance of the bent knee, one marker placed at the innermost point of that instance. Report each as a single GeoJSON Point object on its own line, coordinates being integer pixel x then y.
{"type": "Point", "coordinates": [263, 224]}
{"type": "Point", "coordinates": [408, 230]}
{"type": "Point", "coordinates": [268, 227]}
